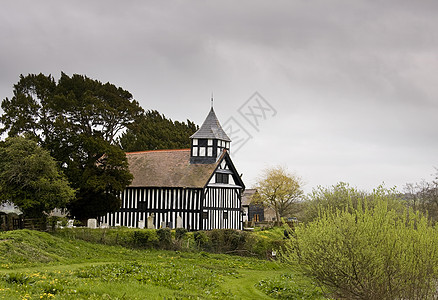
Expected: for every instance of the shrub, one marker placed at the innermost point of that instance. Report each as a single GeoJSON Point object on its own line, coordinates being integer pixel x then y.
{"type": "Point", "coordinates": [165, 237]}
{"type": "Point", "coordinates": [371, 253]}
{"type": "Point", "coordinates": [202, 241]}
{"type": "Point", "coordinates": [227, 240]}
{"type": "Point", "coordinates": [144, 238]}
{"type": "Point", "coordinates": [180, 233]}
{"type": "Point", "coordinates": [53, 222]}
{"type": "Point", "coordinates": [263, 242]}
{"type": "Point", "coordinates": [344, 197]}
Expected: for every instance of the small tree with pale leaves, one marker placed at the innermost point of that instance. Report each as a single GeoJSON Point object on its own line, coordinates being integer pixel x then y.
{"type": "Point", "coordinates": [279, 190]}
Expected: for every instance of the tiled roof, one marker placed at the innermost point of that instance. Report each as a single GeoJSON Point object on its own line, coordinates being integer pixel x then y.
{"type": "Point", "coordinates": [247, 196]}
{"type": "Point", "coordinates": [168, 168]}
{"type": "Point", "coordinates": [211, 129]}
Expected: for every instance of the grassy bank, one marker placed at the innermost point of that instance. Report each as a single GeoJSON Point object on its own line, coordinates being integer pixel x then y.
{"type": "Point", "coordinates": [37, 265]}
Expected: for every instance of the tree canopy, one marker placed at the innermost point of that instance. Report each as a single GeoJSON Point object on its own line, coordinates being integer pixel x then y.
{"type": "Point", "coordinates": [279, 190]}
{"type": "Point", "coordinates": [31, 179]}
{"type": "Point", "coordinates": [423, 196]}
{"type": "Point", "coordinates": [152, 131]}
{"type": "Point", "coordinates": [344, 197]}
{"type": "Point", "coordinates": [78, 120]}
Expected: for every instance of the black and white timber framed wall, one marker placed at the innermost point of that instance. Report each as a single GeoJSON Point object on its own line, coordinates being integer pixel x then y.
{"type": "Point", "coordinates": [213, 205]}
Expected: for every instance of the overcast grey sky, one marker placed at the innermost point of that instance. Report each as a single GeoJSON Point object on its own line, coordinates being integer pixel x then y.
{"type": "Point", "coordinates": [354, 84]}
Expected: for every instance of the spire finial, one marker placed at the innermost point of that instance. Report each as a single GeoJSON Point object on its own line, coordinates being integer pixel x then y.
{"type": "Point", "coordinates": [211, 99]}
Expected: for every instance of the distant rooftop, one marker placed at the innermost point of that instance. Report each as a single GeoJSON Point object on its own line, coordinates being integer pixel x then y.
{"type": "Point", "coordinates": [247, 196]}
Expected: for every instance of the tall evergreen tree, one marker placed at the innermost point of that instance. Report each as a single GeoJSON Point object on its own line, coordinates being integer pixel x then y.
{"type": "Point", "coordinates": [152, 131]}
{"type": "Point", "coordinates": [78, 120]}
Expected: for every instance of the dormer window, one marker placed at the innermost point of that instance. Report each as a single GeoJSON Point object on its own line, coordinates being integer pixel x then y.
{"type": "Point", "coordinates": [222, 178]}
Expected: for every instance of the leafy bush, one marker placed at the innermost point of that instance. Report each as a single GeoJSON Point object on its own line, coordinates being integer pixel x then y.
{"type": "Point", "coordinates": [145, 238]}
{"type": "Point", "coordinates": [342, 196]}
{"type": "Point", "coordinates": [180, 233]}
{"type": "Point", "coordinates": [201, 239]}
{"type": "Point", "coordinates": [52, 221]}
{"type": "Point", "coordinates": [227, 240]}
{"type": "Point", "coordinates": [263, 242]}
{"type": "Point", "coordinates": [370, 253]}
{"type": "Point", "coordinates": [165, 237]}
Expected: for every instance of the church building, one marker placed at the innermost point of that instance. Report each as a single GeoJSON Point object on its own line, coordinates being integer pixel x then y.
{"type": "Point", "coordinates": [197, 188]}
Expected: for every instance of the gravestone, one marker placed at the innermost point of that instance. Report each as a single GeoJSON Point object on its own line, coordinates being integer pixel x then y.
{"type": "Point", "coordinates": [179, 222]}
{"type": "Point", "coordinates": [70, 223]}
{"type": "Point", "coordinates": [92, 223]}
{"type": "Point", "coordinates": [163, 224]}
{"type": "Point", "coordinates": [141, 224]}
{"type": "Point", "coordinates": [150, 222]}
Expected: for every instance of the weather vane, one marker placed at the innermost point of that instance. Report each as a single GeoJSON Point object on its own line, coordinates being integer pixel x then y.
{"type": "Point", "coordinates": [211, 99]}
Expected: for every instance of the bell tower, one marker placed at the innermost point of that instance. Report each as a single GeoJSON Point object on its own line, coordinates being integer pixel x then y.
{"type": "Point", "coordinates": [208, 143]}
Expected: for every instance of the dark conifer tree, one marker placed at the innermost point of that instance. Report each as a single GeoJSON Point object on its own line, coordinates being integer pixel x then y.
{"type": "Point", "coordinates": [152, 131]}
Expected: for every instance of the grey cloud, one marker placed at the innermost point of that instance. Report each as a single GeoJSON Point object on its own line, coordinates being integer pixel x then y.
{"type": "Point", "coordinates": [351, 80]}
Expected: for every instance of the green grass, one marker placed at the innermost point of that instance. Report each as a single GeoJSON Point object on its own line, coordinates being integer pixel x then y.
{"type": "Point", "coordinates": [37, 265]}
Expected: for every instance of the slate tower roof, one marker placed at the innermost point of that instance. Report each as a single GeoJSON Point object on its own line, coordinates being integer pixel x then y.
{"type": "Point", "coordinates": [211, 129]}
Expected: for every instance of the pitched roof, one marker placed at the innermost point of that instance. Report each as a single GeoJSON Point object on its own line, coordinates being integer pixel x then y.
{"type": "Point", "coordinates": [211, 129]}
{"type": "Point", "coordinates": [168, 168]}
{"type": "Point", "coordinates": [247, 196]}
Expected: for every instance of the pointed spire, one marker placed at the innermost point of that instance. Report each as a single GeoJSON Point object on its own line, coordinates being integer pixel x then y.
{"type": "Point", "coordinates": [211, 99]}
{"type": "Point", "coordinates": [211, 129]}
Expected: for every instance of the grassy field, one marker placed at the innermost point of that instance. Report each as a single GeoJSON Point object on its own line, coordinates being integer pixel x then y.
{"type": "Point", "coordinates": [36, 265]}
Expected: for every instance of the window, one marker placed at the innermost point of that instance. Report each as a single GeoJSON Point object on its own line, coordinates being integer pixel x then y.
{"type": "Point", "coordinates": [195, 151]}
{"type": "Point", "coordinates": [209, 151]}
{"type": "Point", "coordinates": [205, 215]}
{"type": "Point", "coordinates": [222, 178]}
{"type": "Point", "coordinates": [256, 218]}
{"type": "Point", "coordinates": [142, 206]}
{"type": "Point", "coordinates": [225, 215]}
{"type": "Point", "coordinates": [201, 151]}
{"type": "Point", "coordinates": [195, 142]}
{"type": "Point", "coordinates": [210, 142]}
